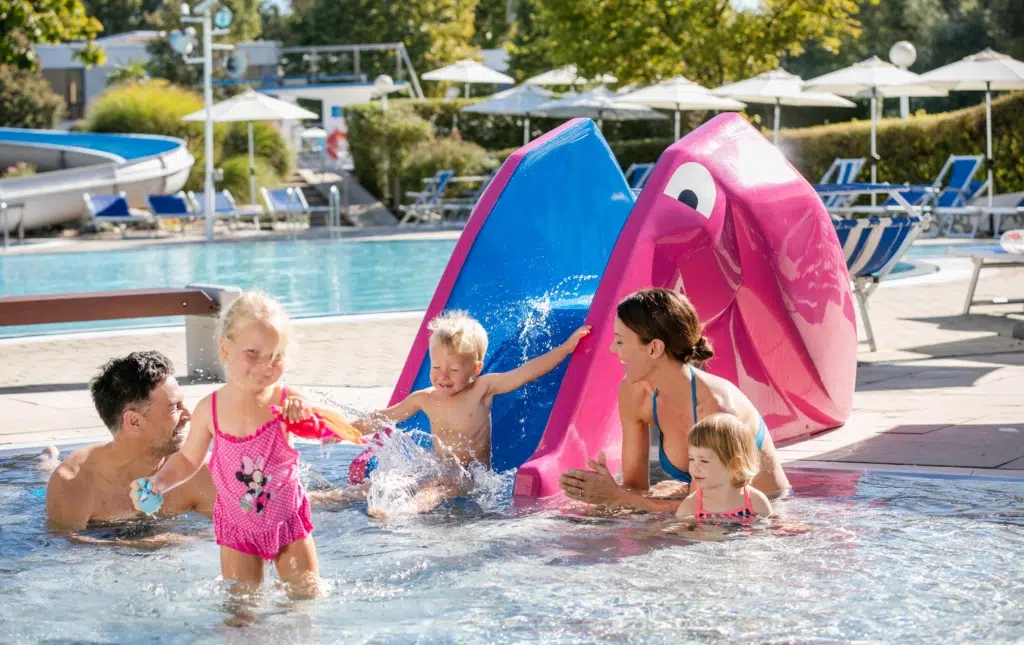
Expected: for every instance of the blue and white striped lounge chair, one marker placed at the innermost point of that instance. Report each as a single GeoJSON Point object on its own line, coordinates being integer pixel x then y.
{"type": "Point", "coordinates": [114, 208]}
{"type": "Point", "coordinates": [842, 171]}
{"type": "Point", "coordinates": [174, 206]}
{"type": "Point", "coordinates": [224, 207]}
{"type": "Point", "coordinates": [426, 205]}
{"type": "Point", "coordinates": [872, 246]}
{"type": "Point", "coordinates": [637, 175]}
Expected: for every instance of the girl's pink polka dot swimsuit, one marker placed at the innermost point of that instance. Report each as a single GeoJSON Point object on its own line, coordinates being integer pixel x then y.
{"type": "Point", "coordinates": [261, 506]}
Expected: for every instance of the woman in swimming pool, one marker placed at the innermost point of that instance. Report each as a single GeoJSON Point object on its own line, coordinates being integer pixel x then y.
{"type": "Point", "coordinates": [658, 337]}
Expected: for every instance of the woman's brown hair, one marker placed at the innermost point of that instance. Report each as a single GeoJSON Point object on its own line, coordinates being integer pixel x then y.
{"type": "Point", "coordinates": [668, 316]}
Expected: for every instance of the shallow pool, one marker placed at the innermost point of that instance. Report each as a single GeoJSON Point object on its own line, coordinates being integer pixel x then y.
{"type": "Point", "coordinates": [309, 277]}
{"type": "Point", "coordinates": [857, 557]}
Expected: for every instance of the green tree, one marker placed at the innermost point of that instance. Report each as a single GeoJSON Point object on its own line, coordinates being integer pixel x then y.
{"type": "Point", "coordinates": [27, 100]}
{"type": "Point", "coordinates": [530, 47]}
{"type": "Point", "coordinates": [709, 41]}
{"type": "Point", "coordinates": [491, 24]}
{"type": "Point", "coordinates": [134, 71]}
{"type": "Point", "coordinates": [119, 16]}
{"type": "Point", "coordinates": [435, 32]}
{"type": "Point", "coordinates": [25, 23]}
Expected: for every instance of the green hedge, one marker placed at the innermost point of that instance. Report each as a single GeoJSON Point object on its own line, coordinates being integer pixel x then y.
{"type": "Point", "coordinates": [915, 150]}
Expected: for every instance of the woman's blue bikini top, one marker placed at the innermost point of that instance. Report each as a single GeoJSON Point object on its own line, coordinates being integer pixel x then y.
{"type": "Point", "coordinates": [668, 466]}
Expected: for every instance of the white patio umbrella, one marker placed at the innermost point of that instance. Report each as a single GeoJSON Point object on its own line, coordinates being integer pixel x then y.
{"type": "Point", "coordinates": [568, 75]}
{"type": "Point", "coordinates": [468, 71]}
{"type": "Point", "coordinates": [599, 104]}
{"type": "Point", "coordinates": [314, 133]}
{"type": "Point", "coordinates": [518, 101]}
{"type": "Point", "coordinates": [779, 87]}
{"type": "Point", "coordinates": [678, 94]}
{"type": "Point", "coordinates": [985, 71]}
{"type": "Point", "coordinates": [249, 106]}
{"type": "Point", "coordinates": [876, 79]}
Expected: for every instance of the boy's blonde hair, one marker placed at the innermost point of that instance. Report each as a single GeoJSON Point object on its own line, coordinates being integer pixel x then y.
{"type": "Point", "coordinates": [732, 441]}
{"type": "Point", "coordinates": [460, 333]}
{"type": "Point", "coordinates": [255, 307]}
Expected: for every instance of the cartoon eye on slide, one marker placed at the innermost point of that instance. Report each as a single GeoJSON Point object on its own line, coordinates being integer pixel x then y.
{"type": "Point", "coordinates": [692, 184]}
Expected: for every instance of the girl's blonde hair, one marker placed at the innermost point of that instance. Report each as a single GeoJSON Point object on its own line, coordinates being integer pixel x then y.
{"type": "Point", "coordinates": [255, 307]}
{"type": "Point", "coordinates": [732, 441]}
{"type": "Point", "coordinates": [460, 333]}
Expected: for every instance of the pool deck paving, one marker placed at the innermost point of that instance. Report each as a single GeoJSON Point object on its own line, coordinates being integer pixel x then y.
{"type": "Point", "coordinates": [944, 393]}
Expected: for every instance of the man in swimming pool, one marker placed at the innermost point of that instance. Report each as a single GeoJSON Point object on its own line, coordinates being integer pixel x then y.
{"type": "Point", "coordinates": [142, 405]}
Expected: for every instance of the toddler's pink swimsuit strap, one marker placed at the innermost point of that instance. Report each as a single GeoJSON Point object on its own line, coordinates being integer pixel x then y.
{"type": "Point", "coordinates": [261, 506]}
{"type": "Point", "coordinates": [743, 513]}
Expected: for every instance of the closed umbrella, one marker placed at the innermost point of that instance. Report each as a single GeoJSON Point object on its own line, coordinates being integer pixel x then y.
{"type": "Point", "coordinates": [678, 94]}
{"type": "Point", "coordinates": [518, 101]}
{"type": "Point", "coordinates": [985, 71]}
{"type": "Point", "coordinates": [779, 87]}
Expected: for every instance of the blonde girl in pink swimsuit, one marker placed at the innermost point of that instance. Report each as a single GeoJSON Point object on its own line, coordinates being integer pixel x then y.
{"type": "Point", "coordinates": [261, 511]}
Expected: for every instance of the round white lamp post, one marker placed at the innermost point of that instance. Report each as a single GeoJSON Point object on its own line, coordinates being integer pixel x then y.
{"type": "Point", "coordinates": [383, 84]}
{"type": "Point", "coordinates": [903, 54]}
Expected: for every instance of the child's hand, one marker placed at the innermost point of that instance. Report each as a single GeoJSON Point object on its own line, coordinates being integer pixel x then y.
{"type": "Point", "coordinates": [296, 408]}
{"type": "Point", "coordinates": [146, 495]}
{"type": "Point", "coordinates": [576, 337]}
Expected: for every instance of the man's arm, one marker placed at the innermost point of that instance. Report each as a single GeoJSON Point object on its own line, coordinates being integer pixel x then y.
{"type": "Point", "coordinates": [534, 369]}
{"type": "Point", "coordinates": [69, 500]}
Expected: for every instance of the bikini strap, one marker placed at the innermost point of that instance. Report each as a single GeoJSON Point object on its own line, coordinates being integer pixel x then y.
{"type": "Point", "coordinates": [213, 405]}
{"type": "Point", "coordinates": [284, 394]}
{"type": "Point", "coordinates": [693, 393]}
{"type": "Point", "coordinates": [700, 503]}
{"type": "Point", "coordinates": [746, 499]}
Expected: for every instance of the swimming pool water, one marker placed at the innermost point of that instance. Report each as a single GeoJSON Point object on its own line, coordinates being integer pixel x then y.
{"type": "Point", "coordinates": [309, 277]}
{"type": "Point", "coordinates": [855, 557]}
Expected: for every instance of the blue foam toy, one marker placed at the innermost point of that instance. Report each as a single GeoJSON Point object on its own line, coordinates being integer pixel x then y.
{"type": "Point", "coordinates": [149, 501]}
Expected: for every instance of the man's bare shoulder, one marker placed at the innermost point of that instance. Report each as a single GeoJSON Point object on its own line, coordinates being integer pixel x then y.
{"type": "Point", "coordinates": [70, 488]}
{"type": "Point", "coordinates": [77, 466]}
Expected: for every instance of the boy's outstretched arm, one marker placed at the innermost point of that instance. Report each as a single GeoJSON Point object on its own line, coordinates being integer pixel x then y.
{"type": "Point", "coordinates": [533, 369]}
{"type": "Point", "coordinates": [397, 413]}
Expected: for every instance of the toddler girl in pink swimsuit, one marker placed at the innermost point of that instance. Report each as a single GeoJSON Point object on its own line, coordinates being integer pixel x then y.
{"type": "Point", "coordinates": [261, 512]}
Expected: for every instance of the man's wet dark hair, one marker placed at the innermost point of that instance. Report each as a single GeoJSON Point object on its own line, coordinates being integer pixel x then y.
{"type": "Point", "coordinates": [127, 382]}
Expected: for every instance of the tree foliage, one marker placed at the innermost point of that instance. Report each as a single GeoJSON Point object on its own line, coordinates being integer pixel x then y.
{"type": "Point", "coordinates": [27, 100]}
{"type": "Point", "coordinates": [435, 32]}
{"type": "Point", "coordinates": [119, 16]}
{"type": "Point", "coordinates": [708, 41]}
{"type": "Point", "coordinates": [25, 23]}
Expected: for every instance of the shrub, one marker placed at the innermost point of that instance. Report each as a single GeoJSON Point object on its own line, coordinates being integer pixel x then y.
{"type": "Point", "coordinates": [153, 107]}
{"type": "Point", "coordinates": [378, 142]}
{"type": "Point", "coordinates": [915, 150]}
{"type": "Point", "coordinates": [236, 177]}
{"type": "Point", "coordinates": [269, 144]}
{"type": "Point", "coordinates": [427, 157]}
{"type": "Point", "coordinates": [27, 101]}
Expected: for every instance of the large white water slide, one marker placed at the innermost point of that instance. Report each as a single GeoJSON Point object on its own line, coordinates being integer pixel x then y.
{"type": "Point", "coordinates": [69, 164]}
